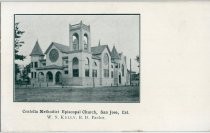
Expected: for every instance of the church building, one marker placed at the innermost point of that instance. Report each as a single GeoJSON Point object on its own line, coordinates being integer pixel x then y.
{"type": "Point", "coordinates": [78, 64]}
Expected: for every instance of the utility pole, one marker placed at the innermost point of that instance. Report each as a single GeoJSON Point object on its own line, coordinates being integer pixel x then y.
{"type": "Point", "coordinates": [130, 71]}
{"type": "Point", "coordinates": [93, 79]}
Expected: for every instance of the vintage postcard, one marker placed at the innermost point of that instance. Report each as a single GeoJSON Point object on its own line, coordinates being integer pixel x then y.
{"type": "Point", "coordinates": [105, 66]}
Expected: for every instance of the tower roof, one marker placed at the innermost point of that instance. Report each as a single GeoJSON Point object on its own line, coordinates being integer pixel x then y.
{"type": "Point", "coordinates": [79, 25]}
{"type": "Point", "coordinates": [36, 50]}
{"type": "Point", "coordinates": [114, 53]}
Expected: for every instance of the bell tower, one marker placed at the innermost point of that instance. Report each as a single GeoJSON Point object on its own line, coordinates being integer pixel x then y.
{"type": "Point", "coordinates": [79, 37]}
{"type": "Point", "coordinates": [80, 54]}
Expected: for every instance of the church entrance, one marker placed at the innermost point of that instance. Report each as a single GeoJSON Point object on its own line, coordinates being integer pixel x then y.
{"type": "Point", "coordinates": [58, 78]}
{"type": "Point", "coordinates": [120, 79]}
{"type": "Point", "coordinates": [49, 77]}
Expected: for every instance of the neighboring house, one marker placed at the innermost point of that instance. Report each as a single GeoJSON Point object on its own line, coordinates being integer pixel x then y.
{"type": "Point", "coordinates": [78, 64]}
{"type": "Point", "coordinates": [134, 79]}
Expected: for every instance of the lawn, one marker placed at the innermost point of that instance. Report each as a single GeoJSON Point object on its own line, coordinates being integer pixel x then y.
{"type": "Point", "coordinates": [122, 94]}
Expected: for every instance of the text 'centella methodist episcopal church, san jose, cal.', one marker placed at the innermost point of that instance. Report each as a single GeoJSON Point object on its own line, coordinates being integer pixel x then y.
{"type": "Point", "coordinates": [78, 64]}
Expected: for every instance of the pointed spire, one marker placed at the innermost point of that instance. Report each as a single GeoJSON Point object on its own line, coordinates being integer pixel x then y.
{"type": "Point", "coordinates": [37, 50]}
{"type": "Point", "coordinates": [114, 53]}
{"type": "Point", "coordinates": [99, 43]}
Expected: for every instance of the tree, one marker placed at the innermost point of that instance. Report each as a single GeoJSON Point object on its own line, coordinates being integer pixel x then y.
{"type": "Point", "coordinates": [17, 70]}
{"type": "Point", "coordinates": [138, 59]}
{"type": "Point", "coordinates": [26, 71]}
{"type": "Point", "coordinates": [17, 44]}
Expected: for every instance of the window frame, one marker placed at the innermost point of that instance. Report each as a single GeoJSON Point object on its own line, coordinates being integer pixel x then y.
{"type": "Point", "coordinates": [87, 72]}
{"type": "Point", "coordinates": [112, 74]}
{"type": "Point", "coordinates": [75, 72]}
{"type": "Point", "coordinates": [36, 64]}
{"type": "Point", "coordinates": [66, 72]}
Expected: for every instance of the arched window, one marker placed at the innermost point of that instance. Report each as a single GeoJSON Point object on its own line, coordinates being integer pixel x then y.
{"type": "Point", "coordinates": [87, 69]}
{"type": "Point", "coordinates": [87, 61]}
{"type": "Point", "coordinates": [49, 76]}
{"type": "Point", "coordinates": [41, 76]}
{"type": "Point", "coordinates": [106, 65]}
{"type": "Point", "coordinates": [75, 61]}
{"type": "Point", "coordinates": [85, 41]}
{"type": "Point", "coordinates": [75, 66]}
{"type": "Point", "coordinates": [106, 60]}
{"type": "Point", "coordinates": [122, 70]}
{"type": "Point", "coordinates": [58, 77]}
{"type": "Point", "coordinates": [75, 40]}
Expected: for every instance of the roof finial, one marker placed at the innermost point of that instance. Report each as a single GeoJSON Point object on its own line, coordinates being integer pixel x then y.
{"type": "Point", "coordinates": [37, 40]}
{"type": "Point", "coordinates": [99, 43]}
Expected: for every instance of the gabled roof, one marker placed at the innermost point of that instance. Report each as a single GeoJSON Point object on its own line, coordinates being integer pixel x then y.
{"type": "Point", "coordinates": [61, 47]}
{"type": "Point", "coordinates": [99, 49]}
{"type": "Point", "coordinates": [96, 57]}
{"type": "Point", "coordinates": [114, 53]}
{"type": "Point", "coordinates": [37, 50]}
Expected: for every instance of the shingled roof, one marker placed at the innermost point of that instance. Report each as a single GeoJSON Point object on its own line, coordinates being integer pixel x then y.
{"type": "Point", "coordinates": [99, 49]}
{"type": "Point", "coordinates": [114, 53]}
{"type": "Point", "coordinates": [37, 50]}
{"type": "Point", "coordinates": [96, 57]}
{"type": "Point", "coordinates": [61, 47]}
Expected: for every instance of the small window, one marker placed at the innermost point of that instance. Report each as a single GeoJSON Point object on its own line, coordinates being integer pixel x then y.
{"type": "Point", "coordinates": [35, 64]}
{"type": "Point", "coordinates": [31, 64]}
{"type": "Point", "coordinates": [85, 46]}
{"type": "Point", "coordinates": [44, 64]}
{"type": "Point", "coordinates": [111, 66]}
{"type": "Point", "coordinates": [32, 75]}
{"type": "Point", "coordinates": [87, 62]}
{"type": "Point", "coordinates": [66, 61]}
{"type": "Point", "coordinates": [116, 66]}
{"type": "Point", "coordinates": [86, 72]}
{"type": "Point", "coordinates": [75, 72]}
{"type": "Point", "coordinates": [66, 72]}
{"type": "Point", "coordinates": [112, 74]}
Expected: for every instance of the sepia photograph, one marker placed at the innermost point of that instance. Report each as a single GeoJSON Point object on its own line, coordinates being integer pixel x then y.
{"type": "Point", "coordinates": [81, 58]}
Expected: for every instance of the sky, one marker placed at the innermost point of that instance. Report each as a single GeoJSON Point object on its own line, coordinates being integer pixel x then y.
{"type": "Point", "coordinates": [121, 31]}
